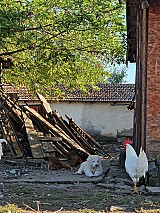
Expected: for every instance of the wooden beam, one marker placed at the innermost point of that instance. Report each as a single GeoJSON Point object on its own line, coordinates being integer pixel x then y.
{"type": "Point", "coordinates": [45, 104]}
{"type": "Point", "coordinates": [33, 138]}
{"type": "Point", "coordinates": [86, 135]}
{"type": "Point", "coordinates": [53, 129]}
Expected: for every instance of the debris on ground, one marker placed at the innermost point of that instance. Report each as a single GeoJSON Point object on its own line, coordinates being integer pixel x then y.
{"type": "Point", "coordinates": [30, 134]}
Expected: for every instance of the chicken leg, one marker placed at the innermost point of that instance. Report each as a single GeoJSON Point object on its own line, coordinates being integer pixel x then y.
{"type": "Point", "coordinates": [135, 187]}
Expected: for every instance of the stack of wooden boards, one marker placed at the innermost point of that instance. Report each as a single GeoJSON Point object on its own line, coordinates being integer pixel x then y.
{"type": "Point", "coordinates": [31, 134]}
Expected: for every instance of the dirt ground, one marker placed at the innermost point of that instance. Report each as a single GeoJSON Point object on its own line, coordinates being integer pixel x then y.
{"type": "Point", "coordinates": [38, 189]}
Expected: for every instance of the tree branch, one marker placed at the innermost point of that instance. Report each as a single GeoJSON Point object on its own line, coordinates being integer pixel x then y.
{"type": "Point", "coordinates": [35, 28]}
{"type": "Point", "coordinates": [27, 29]}
{"type": "Point", "coordinates": [12, 52]}
{"type": "Point", "coordinates": [30, 47]}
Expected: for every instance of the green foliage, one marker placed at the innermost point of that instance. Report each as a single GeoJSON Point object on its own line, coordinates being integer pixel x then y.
{"type": "Point", "coordinates": [61, 42]}
{"type": "Point", "coordinates": [9, 208]}
{"type": "Point", "coordinates": [117, 75]}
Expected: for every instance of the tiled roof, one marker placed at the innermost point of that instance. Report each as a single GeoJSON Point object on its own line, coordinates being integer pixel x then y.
{"type": "Point", "coordinates": [21, 92]}
{"type": "Point", "coordinates": [107, 93]}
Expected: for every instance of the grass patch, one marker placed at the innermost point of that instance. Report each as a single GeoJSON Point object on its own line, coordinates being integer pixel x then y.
{"type": "Point", "coordinates": [21, 190]}
{"type": "Point", "coordinates": [73, 201]}
{"type": "Point", "coordinates": [10, 208]}
{"type": "Point", "coordinates": [148, 211]}
{"type": "Point", "coordinates": [15, 209]}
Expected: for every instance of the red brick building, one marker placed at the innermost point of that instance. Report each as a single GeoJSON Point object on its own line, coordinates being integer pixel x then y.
{"type": "Point", "coordinates": [143, 32]}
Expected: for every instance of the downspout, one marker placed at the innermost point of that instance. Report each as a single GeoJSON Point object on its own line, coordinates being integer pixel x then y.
{"type": "Point", "coordinates": [144, 39]}
{"type": "Point", "coordinates": [137, 130]}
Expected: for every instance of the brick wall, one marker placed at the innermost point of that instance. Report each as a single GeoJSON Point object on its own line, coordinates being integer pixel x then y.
{"type": "Point", "coordinates": [153, 82]}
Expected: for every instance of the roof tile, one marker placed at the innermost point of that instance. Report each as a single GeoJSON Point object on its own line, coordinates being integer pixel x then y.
{"type": "Point", "coordinates": [107, 92]}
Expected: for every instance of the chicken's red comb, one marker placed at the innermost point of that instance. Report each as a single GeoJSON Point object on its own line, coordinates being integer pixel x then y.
{"type": "Point", "coordinates": [127, 141]}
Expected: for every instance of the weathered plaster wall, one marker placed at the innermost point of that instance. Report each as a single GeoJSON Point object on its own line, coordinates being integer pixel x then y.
{"type": "Point", "coordinates": [101, 120]}
{"type": "Point", "coordinates": [153, 82]}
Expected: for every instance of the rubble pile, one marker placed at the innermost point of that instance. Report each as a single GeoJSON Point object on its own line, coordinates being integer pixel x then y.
{"type": "Point", "coordinates": [30, 134]}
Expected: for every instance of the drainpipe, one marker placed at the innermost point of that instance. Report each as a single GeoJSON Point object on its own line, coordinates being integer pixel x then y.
{"type": "Point", "coordinates": [144, 41]}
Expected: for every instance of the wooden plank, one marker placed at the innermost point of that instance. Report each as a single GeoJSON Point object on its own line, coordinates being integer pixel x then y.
{"type": "Point", "coordinates": [45, 104]}
{"type": "Point", "coordinates": [62, 131]}
{"type": "Point", "coordinates": [39, 126]}
{"type": "Point", "coordinates": [8, 130]}
{"type": "Point", "coordinates": [48, 148]}
{"type": "Point", "coordinates": [84, 143]}
{"type": "Point", "coordinates": [58, 151]}
{"type": "Point", "coordinates": [14, 140]}
{"type": "Point", "coordinates": [86, 135]}
{"type": "Point", "coordinates": [65, 127]}
{"type": "Point", "coordinates": [62, 127]}
{"type": "Point", "coordinates": [12, 112]}
{"type": "Point", "coordinates": [52, 128]}
{"type": "Point", "coordinates": [36, 147]}
{"type": "Point", "coordinates": [48, 144]}
{"type": "Point", "coordinates": [10, 147]}
{"type": "Point", "coordinates": [71, 132]}
{"type": "Point", "coordinates": [15, 120]}
{"type": "Point", "coordinates": [10, 144]}
{"type": "Point", "coordinates": [53, 139]}
{"type": "Point", "coordinates": [62, 149]}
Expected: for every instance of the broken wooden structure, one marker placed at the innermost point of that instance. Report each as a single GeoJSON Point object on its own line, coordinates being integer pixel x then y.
{"type": "Point", "coordinates": [32, 135]}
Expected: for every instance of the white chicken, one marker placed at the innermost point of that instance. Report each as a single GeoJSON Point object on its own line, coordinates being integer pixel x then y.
{"type": "Point", "coordinates": [1, 150]}
{"type": "Point", "coordinates": [136, 166]}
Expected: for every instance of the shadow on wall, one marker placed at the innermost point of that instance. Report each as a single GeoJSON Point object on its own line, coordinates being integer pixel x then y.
{"type": "Point", "coordinates": [120, 137]}
{"type": "Point", "coordinates": [100, 132]}
{"type": "Point", "coordinates": [102, 138]}
{"type": "Point", "coordinates": [97, 134]}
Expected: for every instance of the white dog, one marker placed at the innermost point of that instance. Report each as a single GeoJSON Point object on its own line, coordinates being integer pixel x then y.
{"type": "Point", "coordinates": [92, 167]}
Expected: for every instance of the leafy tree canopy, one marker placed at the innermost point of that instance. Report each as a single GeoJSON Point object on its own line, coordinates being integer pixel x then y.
{"type": "Point", "coordinates": [117, 75]}
{"type": "Point", "coordinates": [60, 42]}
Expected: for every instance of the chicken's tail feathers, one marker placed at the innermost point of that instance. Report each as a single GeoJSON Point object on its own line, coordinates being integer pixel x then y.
{"type": "Point", "coordinates": [2, 140]}
{"type": "Point", "coordinates": [143, 161]}
{"type": "Point", "coordinates": [1, 151]}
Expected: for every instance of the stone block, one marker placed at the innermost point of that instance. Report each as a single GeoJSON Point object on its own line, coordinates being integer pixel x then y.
{"type": "Point", "coordinates": [153, 190]}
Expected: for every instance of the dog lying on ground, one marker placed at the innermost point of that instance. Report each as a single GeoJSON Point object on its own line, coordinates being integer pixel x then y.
{"type": "Point", "coordinates": [55, 164]}
{"type": "Point", "coordinates": [92, 167]}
